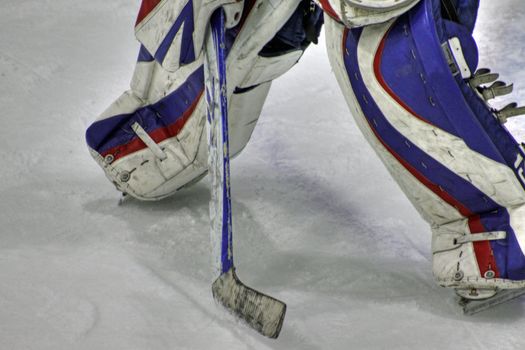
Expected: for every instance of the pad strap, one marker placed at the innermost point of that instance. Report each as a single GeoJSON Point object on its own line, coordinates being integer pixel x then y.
{"type": "Point", "coordinates": [479, 237]}
{"type": "Point", "coordinates": [152, 145]}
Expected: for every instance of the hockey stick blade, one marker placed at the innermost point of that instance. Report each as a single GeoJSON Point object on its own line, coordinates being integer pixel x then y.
{"type": "Point", "coordinates": [260, 311]}
{"type": "Point", "coordinates": [472, 307]}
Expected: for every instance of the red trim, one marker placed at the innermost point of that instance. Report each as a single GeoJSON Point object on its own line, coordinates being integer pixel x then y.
{"type": "Point", "coordinates": [145, 9]}
{"type": "Point", "coordinates": [435, 188]}
{"type": "Point", "coordinates": [379, 76]}
{"type": "Point", "coordinates": [438, 190]}
{"type": "Point", "coordinates": [483, 250]}
{"type": "Point", "coordinates": [158, 135]}
{"type": "Point", "coordinates": [325, 5]}
{"type": "Point", "coordinates": [345, 38]}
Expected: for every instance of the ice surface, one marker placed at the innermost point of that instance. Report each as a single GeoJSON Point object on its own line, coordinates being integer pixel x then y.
{"type": "Point", "coordinates": [318, 222]}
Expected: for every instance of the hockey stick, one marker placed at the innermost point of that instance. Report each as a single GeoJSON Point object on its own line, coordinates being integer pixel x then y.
{"type": "Point", "coordinates": [261, 312]}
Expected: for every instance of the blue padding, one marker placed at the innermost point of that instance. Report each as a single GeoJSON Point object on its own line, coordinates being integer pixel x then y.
{"type": "Point", "coordinates": [462, 190]}
{"type": "Point", "coordinates": [187, 50]}
{"type": "Point", "coordinates": [467, 12]}
{"type": "Point", "coordinates": [444, 86]}
{"type": "Point", "coordinates": [144, 55]}
{"type": "Point", "coordinates": [468, 44]}
{"type": "Point", "coordinates": [503, 140]}
{"type": "Point", "coordinates": [402, 71]}
{"type": "Point", "coordinates": [115, 131]}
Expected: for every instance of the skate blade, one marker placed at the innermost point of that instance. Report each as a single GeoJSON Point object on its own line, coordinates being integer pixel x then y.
{"type": "Point", "coordinates": [471, 307]}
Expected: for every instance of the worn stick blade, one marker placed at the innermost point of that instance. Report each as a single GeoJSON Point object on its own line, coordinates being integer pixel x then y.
{"type": "Point", "coordinates": [471, 307]}
{"type": "Point", "coordinates": [260, 311]}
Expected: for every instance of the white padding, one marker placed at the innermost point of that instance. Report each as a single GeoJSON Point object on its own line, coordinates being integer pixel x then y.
{"type": "Point", "coordinates": [154, 28]}
{"type": "Point", "coordinates": [480, 237]}
{"type": "Point", "coordinates": [380, 4]}
{"type": "Point", "coordinates": [127, 103]}
{"type": "Point", "coordinates": [358, 13]}
{"type": "Point", "coordinates": [141, 80]}
{"type": "Point", "coordinates": [268, 68]}
{"type": "Point", "coordinates": [152, 31]}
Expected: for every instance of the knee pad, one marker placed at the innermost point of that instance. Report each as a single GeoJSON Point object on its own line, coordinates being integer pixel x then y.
{"type": "Point", "coordinates": [151, 141]}
{"type": "Point", "coordinates": [413, 87]}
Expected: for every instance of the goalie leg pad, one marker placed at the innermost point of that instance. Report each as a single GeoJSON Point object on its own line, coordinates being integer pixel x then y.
{"type": "Point", "coordinates": [168, 105]}
{"type": "Point", "coordinates": [407, 84]}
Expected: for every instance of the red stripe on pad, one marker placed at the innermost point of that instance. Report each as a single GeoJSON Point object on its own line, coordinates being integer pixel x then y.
{"type": "Point", "coordinates": [435, 188]}
{"type": "Point", "coordinates": [325, 4]}
{"type": "Point", "coordinates": [379, 76]}
{"type": "Point", "coordinates": [145, 9]}
{"type": "Point", "coordinates": [158, 135]}
{"type": "Point", "coordinates": [483, 250]}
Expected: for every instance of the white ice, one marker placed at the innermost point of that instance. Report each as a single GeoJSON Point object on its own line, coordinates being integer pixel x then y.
{"type": "Point", "coordinates": [318, 222]}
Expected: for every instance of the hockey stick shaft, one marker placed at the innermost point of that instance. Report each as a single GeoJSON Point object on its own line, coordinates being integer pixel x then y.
{"type": "Point", "coordinates": [220, 116]}
{"type": "Point", "coordinates": [261, 312]}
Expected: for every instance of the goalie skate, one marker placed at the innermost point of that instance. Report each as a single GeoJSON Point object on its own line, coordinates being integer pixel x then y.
{"type": "Point", "coordinates": [474, 301]}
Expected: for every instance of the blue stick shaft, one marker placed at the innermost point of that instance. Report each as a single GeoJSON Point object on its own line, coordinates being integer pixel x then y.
{"type": "Point", "coordinates": [218, 32]}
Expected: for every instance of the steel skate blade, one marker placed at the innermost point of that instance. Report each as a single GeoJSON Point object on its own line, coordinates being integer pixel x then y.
{"type": "Point", "coordinates": [471, 307]}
